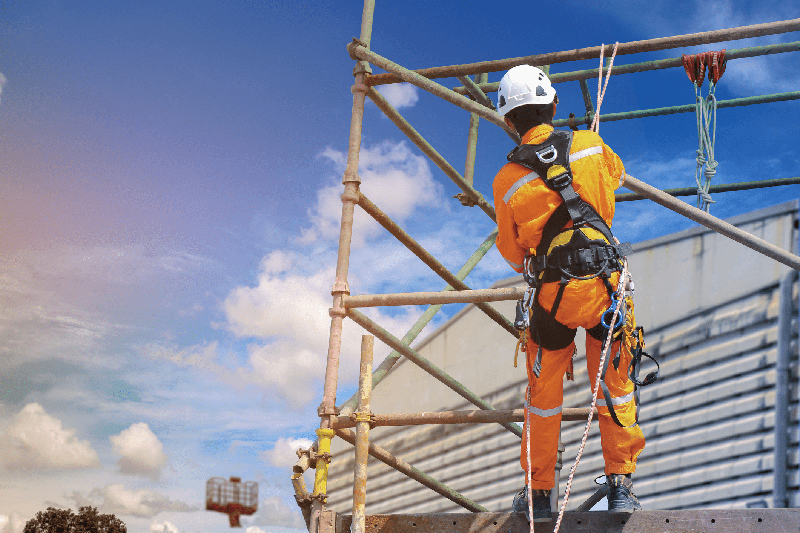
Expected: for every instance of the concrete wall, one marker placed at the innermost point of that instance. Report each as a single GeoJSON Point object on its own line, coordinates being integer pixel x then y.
{"type": "Point", "coordinates": [710, 311]}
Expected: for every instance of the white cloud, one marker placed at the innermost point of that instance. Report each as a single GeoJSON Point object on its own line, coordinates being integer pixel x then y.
{"type": "Point", "coordinates": [254, 529]}
{"type": "Point", "coordinates": [3, 81]}
{"type": "Point", "coordinates": [283, 453]}
{"type": "Point", "coordinates": [400, 95]}
{"type": "Point", "coordinates": [140, 450]}
{"type": "Point", "coordinates": [393, 178]}
{"type": "Point", "coordinates": [117, 499]}
{"type": "Point", "coordinates": [289, 311]}
{"type": "Point", "coordinates": [36, 440]}
{"type": "Point", "coordinates": [275, 511]}
{"type": "Point", "coordinates": [11, 524]}
{"type": "Point", "coordinates": [166, 527]}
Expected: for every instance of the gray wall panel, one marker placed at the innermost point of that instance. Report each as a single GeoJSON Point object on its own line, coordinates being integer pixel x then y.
{"type": "Point", "coordinates": [709, 421]}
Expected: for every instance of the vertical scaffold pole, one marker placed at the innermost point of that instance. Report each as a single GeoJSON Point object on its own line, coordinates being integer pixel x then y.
{"type": "Point", "coordinates": [340, 287]}
{"type": "Point", "coordinates": [363, 417]}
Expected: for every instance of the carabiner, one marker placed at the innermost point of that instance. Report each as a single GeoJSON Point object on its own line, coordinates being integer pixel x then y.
{"type": "Point", "coordinates": [608, 316]}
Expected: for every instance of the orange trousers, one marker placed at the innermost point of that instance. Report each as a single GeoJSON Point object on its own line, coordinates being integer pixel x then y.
{"type": "Point", "coordinates": [582, 305]}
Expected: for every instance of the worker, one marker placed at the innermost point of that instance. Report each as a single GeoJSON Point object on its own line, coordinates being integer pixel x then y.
{"type": "Point", "coordinates": [555, 204]}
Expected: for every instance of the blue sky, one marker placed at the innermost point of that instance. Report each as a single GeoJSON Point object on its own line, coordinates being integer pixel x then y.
{"type": "Point", "coordinates": [169, 181]}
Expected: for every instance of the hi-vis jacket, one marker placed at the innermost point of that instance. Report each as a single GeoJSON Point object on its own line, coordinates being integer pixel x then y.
{"type": "Point", "coordinates": [523, 203]}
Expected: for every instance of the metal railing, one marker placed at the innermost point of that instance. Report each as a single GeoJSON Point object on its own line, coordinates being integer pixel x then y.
{"type": "Point", "coordinates": [471, 96]}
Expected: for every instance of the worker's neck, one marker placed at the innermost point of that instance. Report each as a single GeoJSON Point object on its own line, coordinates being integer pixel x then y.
{"type": "Point", "coordinates": [537, 133]}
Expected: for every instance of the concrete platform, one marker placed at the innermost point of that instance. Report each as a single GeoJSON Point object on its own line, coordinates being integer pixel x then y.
{"type": "Point", "coordinates": [694, 521]}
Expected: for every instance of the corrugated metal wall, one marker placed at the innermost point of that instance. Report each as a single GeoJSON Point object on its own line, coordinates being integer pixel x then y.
{"type": "Point", "coordinates": [709, 421]}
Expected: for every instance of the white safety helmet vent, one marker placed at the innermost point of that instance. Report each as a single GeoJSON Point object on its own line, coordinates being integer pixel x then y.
{"type": "Point", "coordinates": [523, 85]}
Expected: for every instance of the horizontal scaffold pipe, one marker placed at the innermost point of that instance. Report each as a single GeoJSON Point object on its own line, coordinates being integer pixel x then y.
{"type": "Point", "coordinates": [561, 77]}
{"type": "Point", "coordinates": [380, 372]}
{"type": "Point", "coordinates": [689, 108]}
{"type": "Point", "coordinates": [712, 222]}
{"type": "Point", "coordinates": [568, 414]}
{"type": "Point", "coordinates": [391, 226]}
{"type": "Point", "coordinates": [426, 365]}
{"type": "Point", "coordinates": [401, 466]}
{"type": "Point", "coordinates": [431, 152]}
{"type": "Point", "coordinates": [634, 47]}
{"type": "Point", "coordinates": [730, 187]}
{"type": "Point", "coordinates": [358, 51]}
{"type": "Point", "coordinates": [421, 298]}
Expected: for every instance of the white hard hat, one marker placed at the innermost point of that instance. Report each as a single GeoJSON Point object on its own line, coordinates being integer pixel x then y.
{"type": "Point", "coordinates": [523, 85]}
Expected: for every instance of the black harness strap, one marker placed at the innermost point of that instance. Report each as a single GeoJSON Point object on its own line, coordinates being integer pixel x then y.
{"type": "Point", "coordinates": [580, 258]}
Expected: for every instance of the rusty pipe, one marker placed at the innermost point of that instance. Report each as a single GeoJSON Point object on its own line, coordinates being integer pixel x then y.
{"type": "Point", "coordinates": [634, 47]}
{"type": "Point", "coordinates": [712, 222]}
{"type": "Point", "coordinates": [421, 298]}
{"type": "Point", "coordinates": [362, 417]}
{"type": "Point", "coordinates": [414, 473]}
{"type": "Point", "coordinates": [569, 414]}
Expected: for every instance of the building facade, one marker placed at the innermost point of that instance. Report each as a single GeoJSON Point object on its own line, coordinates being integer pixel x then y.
{"type": "Point", "coordinates": [721, 423]}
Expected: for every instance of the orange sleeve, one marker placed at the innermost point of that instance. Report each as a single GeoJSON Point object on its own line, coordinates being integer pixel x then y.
{"type": "Point", "coordinates": [507, 235]}
{"type": "Point", "coordinates": [616, 170]}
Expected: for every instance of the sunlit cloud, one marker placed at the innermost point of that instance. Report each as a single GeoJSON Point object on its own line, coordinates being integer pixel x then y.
{"type": "Point", "coordinates": [141, 452]}
{"type": "Point", "coordinates": [276, 511]}
{"type": "Point", "coordinates": [11, 524]}
{"type": "Point", "coordinates": [393, 177]}
{"type": "Point", "coordinates": [119, 500]}
{"type": "Point", "coordinates": [400, 95]}
{"type": "Point", "coordinates": [38, 441]}
{"type": "Point", "coordinates": [283, 453]}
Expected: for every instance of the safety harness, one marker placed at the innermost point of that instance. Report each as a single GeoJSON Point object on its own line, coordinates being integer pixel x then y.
{"type": "Point", "coordinates": [584, 250]}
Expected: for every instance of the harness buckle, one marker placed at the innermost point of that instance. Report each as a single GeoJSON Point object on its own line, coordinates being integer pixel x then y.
{"type": "Point", "coordinates": [560, 182]}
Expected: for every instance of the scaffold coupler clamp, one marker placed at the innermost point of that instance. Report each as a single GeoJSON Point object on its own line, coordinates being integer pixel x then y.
{"type": "Point", "coordinates": [363, 417]}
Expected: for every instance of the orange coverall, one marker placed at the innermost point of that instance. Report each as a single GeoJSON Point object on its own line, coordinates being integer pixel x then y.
{"type": "Point", "coordinates": [523, 204]}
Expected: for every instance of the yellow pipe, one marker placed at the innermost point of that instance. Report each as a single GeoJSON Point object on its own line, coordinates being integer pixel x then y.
{"type": "Point", "coordinates": [321, 476]}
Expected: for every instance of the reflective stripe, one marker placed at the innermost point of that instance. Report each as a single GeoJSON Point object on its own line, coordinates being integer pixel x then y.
{"type": "Point", "coordinates": [513, 265]}
{"type": "Point", "coordinates": [544, 413]}
{"type": "Point", "coordinates": [622, 399]}
{"type": "Point", "coordinates": [585, 153]}
{"type": "Point", "coordinates": [520, 182]}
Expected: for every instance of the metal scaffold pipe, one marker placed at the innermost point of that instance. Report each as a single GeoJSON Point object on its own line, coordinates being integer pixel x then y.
{"type": "Point", "coordinates": [569, 414]}
{"type": "Point", "coordinates": [659, 64]}
{"type": "Point", "coordinates": [360, 52]}
{"type": "Point", "coordinates": [712, 222]}
{"type": "Point", "coordinates": [401, 466]}
{"type": "Point", "coordinates": [420, 298]}
{"type": "Point", "coordinates": [426, 365]}
{"type": "Point", "coordinates": [689, 108]}
{"type": "Point", "coordinates": [731, 187]}
{"type": "Point", "coordinates": [379, 373]}
{"type": "Point", "coordinates": [634, 47]}
{"type": "Point", "coordinates": [417, 249]}
{"type": "Point", "coordinates": [340, 287]}
{"type": "Point", "coordinates": [362, 423]}
{"type": "Point", "coordinates": [431, 152]}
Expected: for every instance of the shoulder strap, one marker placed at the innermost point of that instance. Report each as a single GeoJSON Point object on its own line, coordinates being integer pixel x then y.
{"type": "Point", "coordinates": [550, 161]}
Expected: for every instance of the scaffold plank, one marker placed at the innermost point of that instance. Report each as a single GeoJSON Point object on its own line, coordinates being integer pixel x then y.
{"type": "Point", "coordinates": [696, 521]}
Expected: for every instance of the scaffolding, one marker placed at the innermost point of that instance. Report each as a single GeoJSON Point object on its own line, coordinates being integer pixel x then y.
{"type": "Point", "coordinates": [471, 96]}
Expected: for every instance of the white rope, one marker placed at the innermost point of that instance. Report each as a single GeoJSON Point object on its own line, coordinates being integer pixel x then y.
{"type": "Point", "coordinates": [620, 288]}
{"type": "Point", "coordinates": [528, 454]}
{"type": "Point", "coordinates": [596, 120]}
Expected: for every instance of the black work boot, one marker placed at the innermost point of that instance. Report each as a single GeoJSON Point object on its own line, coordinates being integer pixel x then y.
{"type": "Point", "coordinates": [541, 505]}
{"type": "Point", "coordinates": [620, 494]}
